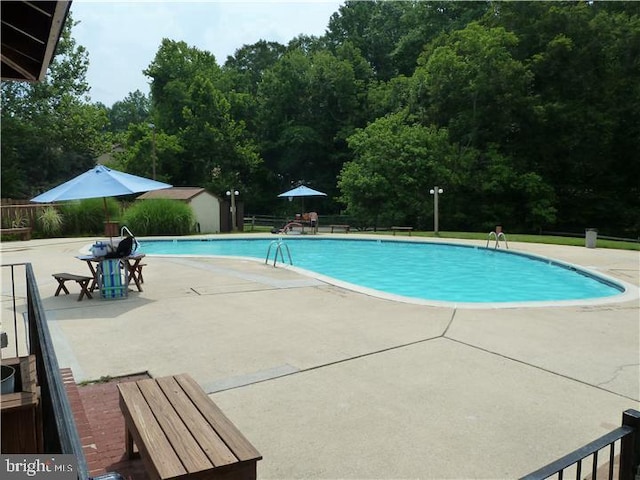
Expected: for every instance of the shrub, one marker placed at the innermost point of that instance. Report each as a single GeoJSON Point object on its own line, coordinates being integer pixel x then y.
{"type": "Point", "coordinates": [160, 216]}
{"type": "Point", "coordinates": [16, 220]}
{"type": "Point", "coordinates": [88, 216]}
{"type": "Point", "coordinates": [50, 222]}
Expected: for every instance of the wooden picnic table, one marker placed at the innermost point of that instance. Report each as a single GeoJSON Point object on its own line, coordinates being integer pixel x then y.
{"type": "Point", "coordinates": [133, 263]}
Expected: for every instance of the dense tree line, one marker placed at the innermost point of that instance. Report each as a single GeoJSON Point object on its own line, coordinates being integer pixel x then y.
{"type": "Point", "coordinates": [525, 113]}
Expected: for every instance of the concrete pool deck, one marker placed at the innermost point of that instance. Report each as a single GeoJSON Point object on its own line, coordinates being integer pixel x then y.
{"type": "Point", "coordinates": [332, 383]}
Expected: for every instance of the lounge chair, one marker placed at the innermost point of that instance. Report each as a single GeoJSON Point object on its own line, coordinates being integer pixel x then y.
{"type": "Point", "coordinates": [113, 281]}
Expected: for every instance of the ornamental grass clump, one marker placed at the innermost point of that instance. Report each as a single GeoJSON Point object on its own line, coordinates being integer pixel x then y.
{"type": "Point", "coordinates": [88, 216]}
{"type": "Point", "coordinates": [160, 216]}
{"type": "Point", "coordinates": [50, 222]}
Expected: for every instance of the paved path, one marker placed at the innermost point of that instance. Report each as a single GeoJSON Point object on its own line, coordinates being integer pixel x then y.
{"type": "Point", "coordinates": [332, 383]}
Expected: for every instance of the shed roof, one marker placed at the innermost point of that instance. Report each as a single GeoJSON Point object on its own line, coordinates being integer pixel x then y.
{"type": "Point", "coordinates": [174, 193]}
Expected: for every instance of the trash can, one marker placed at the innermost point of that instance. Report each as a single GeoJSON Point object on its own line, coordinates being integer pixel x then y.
{"type": "Point", "coordinates": [8, 380]}
{"type": "Point", "coordinates": [590, 237]}
{"type": "Point", "coordinates": [111, 229]}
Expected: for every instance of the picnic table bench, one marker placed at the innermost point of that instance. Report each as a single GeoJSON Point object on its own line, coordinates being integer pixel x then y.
{"type": "Point", "coordinates": [346, 228]}
{"type": "Point", "coordinates": [79, 279]}
{"type": "Point", "coordinates": [23, 232]}
{"type": "Point", "coordinates": [401, 229]}
{"type": "Point", "coordinates": [181, 433]}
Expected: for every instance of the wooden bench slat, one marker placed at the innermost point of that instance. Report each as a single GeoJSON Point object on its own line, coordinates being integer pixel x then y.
{"type": "Point", "coordinates": [181, 439]}
{"type": "Point", "coordinates": [71, 276]}
{"type": "Point", "coordinates": [206, 435]}
{"type": "Point", "coordinates": [218, 420]}
{"type": "Point", "coordinates": [159, 456]}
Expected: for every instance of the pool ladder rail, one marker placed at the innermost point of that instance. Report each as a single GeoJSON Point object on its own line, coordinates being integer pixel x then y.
{"type": "Point", "coordinates": [126, 229]}
{"type": "Point", "coordinates": [278, 245]}
{"type": "Point", "coordinates": [136, 245]}
{"type": "Point", "coordinates": [497, 236]}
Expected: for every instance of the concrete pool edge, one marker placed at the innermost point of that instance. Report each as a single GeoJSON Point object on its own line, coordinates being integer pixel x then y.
{"type": "Point", "coordinates": [629, 292]}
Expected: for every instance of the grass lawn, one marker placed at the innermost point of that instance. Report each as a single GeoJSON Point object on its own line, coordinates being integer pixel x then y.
{"type": "Point", "coordinates": [554, 240]}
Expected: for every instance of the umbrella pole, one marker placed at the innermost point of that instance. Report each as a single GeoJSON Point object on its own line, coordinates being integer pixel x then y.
{"type": "Point", "coordinates": [106, 212]}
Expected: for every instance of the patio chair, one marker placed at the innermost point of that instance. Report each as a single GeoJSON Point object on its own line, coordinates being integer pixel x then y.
{"type": "Point", "coordinates": [113, 281]}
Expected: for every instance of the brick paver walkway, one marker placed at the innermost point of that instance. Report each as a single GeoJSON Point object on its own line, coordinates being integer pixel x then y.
{"type": "Point", "coordinates": [101, 426]}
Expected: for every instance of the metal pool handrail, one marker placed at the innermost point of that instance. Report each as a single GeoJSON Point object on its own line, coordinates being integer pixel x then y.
{"type": "Point", "coordinates": [279, 244]}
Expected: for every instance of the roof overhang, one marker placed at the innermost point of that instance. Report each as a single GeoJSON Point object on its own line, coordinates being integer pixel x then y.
{"type": "Point", "coordinates": [30, 33]}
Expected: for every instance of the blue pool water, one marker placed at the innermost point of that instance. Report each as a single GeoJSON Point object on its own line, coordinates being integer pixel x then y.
{"type": "Point", "coordinates": [428, 271]}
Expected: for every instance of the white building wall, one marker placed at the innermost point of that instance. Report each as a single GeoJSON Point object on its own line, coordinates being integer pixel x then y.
{"type": "Point", "coordinates": [206, 208]}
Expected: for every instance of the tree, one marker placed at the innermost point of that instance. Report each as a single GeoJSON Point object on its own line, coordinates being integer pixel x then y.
{"type": "Point", "coordinates": [469, 82]}
{"type": "Point", "coordinates": [49, 132]}
{"type": "Point", "coordinates": [391, 35]}
{"type": "Point", "coordinates": [242, 74]}
{"type": "Point", "coordinates": [396, 161]}
{"type": "Point", "coordinates": [135, 108]}
{"type": "Point", "coordinates": [374, 28]}
{"type": "Point", "coordinates": [307, 105]}
{"type": "Point", "coordinates": [214, 150]}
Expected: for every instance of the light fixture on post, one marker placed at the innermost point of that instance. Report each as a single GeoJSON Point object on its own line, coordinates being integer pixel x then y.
{"type": "Point", "coordinates": [233, 194]}
{"type": "Point", "coordinates": [153, 154]}
{"type": "Point", "coordinates": [435, 191]}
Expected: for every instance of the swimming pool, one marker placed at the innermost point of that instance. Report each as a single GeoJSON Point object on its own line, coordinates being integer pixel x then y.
{"type": "Point", "coordinates": [417, 270]}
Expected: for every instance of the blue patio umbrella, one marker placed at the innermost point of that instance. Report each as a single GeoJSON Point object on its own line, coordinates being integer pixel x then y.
{"type": "Point", "coordinates": [98, 182]}
{"type": "Point", "coordinates": [302, 191]}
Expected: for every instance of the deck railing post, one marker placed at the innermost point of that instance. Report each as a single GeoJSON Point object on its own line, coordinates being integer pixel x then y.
{"type": "Point", "coordinates": [630, 446]}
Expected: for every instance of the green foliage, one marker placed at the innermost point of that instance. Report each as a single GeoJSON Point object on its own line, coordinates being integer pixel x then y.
{"type": "Point", "coordinates": [15, 220]}
{"type": "Point", "coordinates": [87, 217]}
{"type": "Point", "coordinates": [135, 108]}
{"type": "Point", "coordinates": [471, 84]}
{"type": "Point", "coordinates": [526, 113]}
{"type": "Point", "coordinates": [50, 222]}
{"type": "Point", "coordinates": [308, 104]}
{"type": "Point", "coordinates": [208, 147]}
{"type": "Point", "coordinates": [49, 132]}
{"type": "Point", "coordinates": [396, 163]}
{"type": "Point", "coordinates": [512, 238]}
{"type": "Point", "coordinates": [160, 217]}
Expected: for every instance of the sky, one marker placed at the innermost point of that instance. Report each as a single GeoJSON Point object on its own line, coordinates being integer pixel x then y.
{"type": "Point", "coordinates": [122, 38]}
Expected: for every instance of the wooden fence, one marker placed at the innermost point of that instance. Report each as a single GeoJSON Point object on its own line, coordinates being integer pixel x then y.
{"type": "Point", "coordinates": [15, 215]}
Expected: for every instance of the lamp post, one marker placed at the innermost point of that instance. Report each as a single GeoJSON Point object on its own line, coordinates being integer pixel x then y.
{"type": "Point", "coordinates": [435, 191]}
{"type": "Point", "coordinates": [233, 194]}
{"type": "Point", "coordinates": [153, 154]}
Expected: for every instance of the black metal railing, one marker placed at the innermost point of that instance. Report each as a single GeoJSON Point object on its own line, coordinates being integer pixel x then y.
{"type": "Point", "coordinates": [59, 431]}
{"type": "Point", "coordinates": [627, 437]}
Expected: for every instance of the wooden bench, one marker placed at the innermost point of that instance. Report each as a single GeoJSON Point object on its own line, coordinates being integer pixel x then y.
{"type": "Point", "coordinates": [346, 228]}
{"type": "Point", "coordinates": [23, 232]}
{"type": "Point", "coordinates": [402, 229]}
{"type": "Point", "coordinates": [181, 433]}
{"type": "Point", "coordinates": [79, 279]}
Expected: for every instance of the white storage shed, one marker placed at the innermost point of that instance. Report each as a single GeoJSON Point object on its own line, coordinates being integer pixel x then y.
{"type": "Point", "coordinates": [206, 207]}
